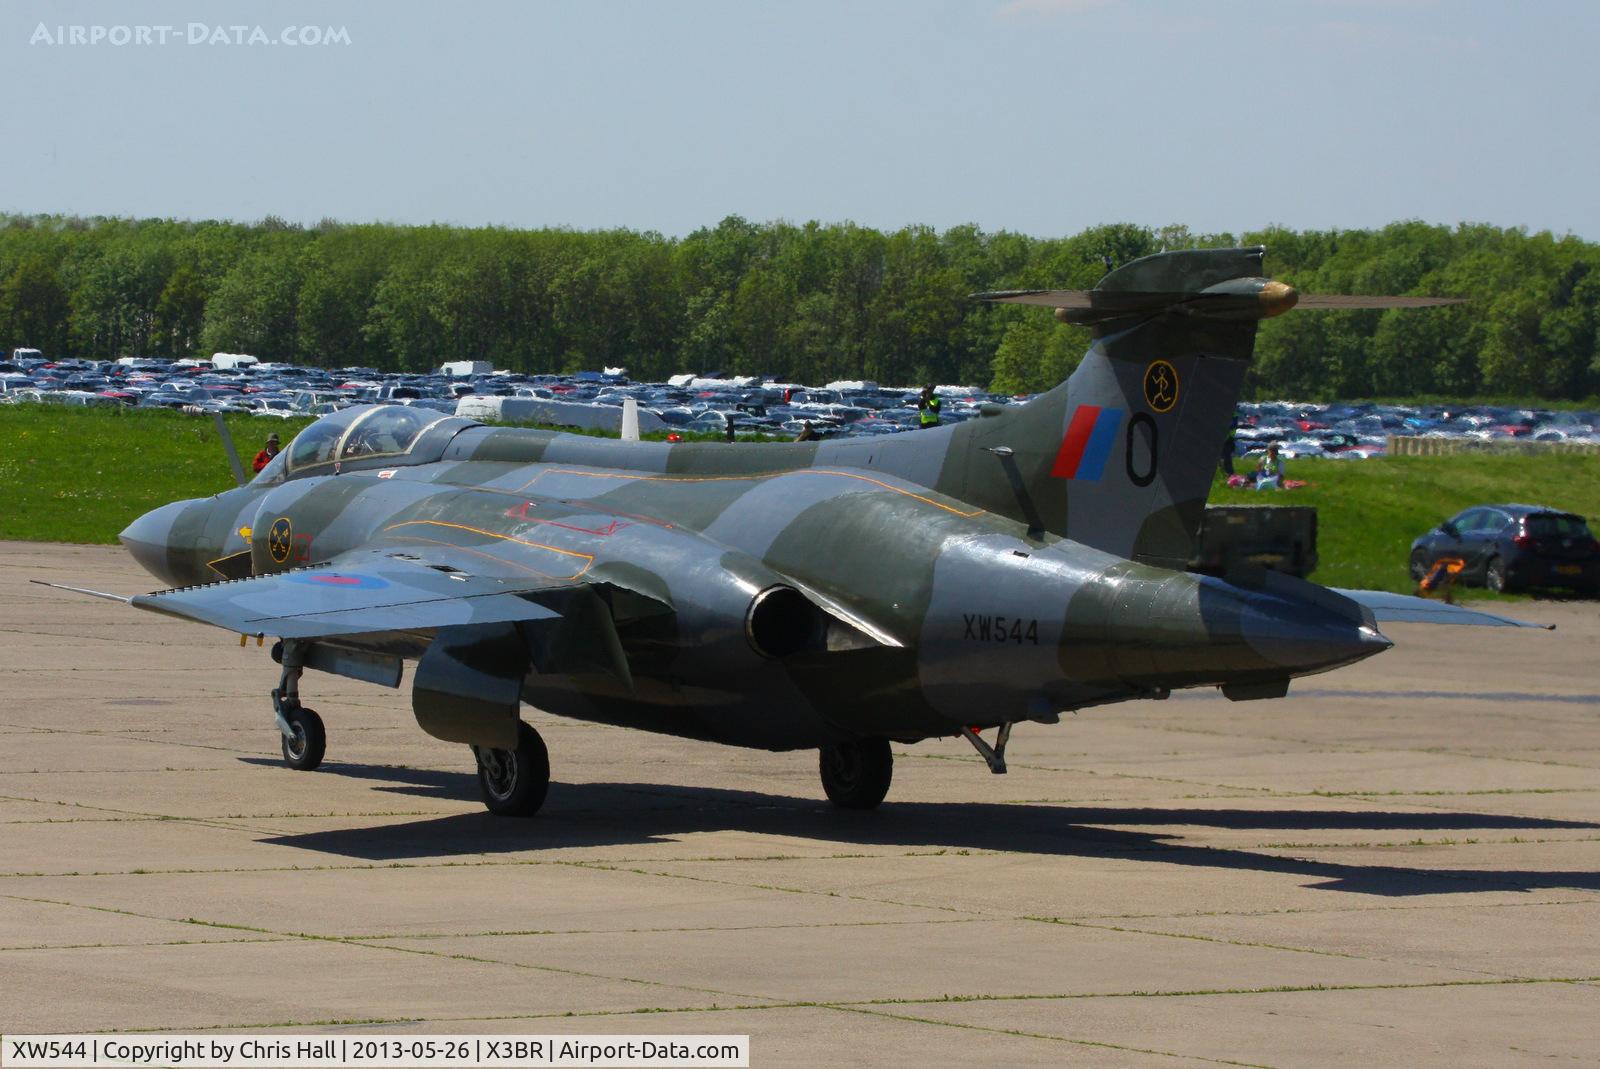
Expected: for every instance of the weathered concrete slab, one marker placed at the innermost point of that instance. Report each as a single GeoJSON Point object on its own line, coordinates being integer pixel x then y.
{"type": "Point", "coordinates": [1511, 940]}
{"type": "Point", "coordinates": [450, 896]}
{"type": "Point", "coordinates": [1489, 1026]}
{"type": "Point", "coordinates": [858, 1037]}
{"type": "Point", "coordinates": [248, 985]}
{"type": "Point", "coordinates": [1022, 958]}
{"type": "Point", "coordinates": [39, 924]}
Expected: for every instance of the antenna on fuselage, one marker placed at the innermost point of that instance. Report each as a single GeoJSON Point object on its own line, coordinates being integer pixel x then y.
{"type": "Point", "coordinates": [630, 419]}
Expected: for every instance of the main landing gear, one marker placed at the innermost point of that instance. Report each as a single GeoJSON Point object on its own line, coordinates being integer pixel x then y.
{"type": "Point", "coordinates": [514, 782]}
{"type": "Point", "coordinates": [305, 741]}
{"type": "Point", "coordinates": [856, 774]}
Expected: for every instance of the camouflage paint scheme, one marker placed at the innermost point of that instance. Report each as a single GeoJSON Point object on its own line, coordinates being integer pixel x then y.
{"type": "Point", "coordinates": [783, 596]}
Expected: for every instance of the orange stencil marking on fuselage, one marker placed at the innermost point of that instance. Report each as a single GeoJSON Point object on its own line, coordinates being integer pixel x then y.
{"type": "Point", "coordinates": [754, 478]}
{"type": "Point", "coordinates": [587, 558]}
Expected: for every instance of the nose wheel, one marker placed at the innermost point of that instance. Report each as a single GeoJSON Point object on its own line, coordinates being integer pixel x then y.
{"type": "Point", "coordinates": [514, 782]}
{"type": "Point", "coordinates": [307, 740]}
{"type": "Point", "coordinates": [304, 739]}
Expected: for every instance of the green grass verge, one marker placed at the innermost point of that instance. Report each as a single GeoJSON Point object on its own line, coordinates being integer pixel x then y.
{"type": "Point", "coordinates": [1368, 511]}
{"type": "Point", "coordinates": [81, 475]}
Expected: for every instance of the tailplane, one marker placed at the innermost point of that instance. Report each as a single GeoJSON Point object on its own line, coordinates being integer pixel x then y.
{"type": "Point", "coordinates": [1121, 456]}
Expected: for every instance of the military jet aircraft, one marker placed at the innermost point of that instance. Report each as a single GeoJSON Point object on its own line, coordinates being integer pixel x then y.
{"type": "Point", "coordinates": [834, 596]}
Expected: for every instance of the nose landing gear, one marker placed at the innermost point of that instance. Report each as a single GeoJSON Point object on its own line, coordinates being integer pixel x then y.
{"type": "Point", "coordinates": [305, 741]}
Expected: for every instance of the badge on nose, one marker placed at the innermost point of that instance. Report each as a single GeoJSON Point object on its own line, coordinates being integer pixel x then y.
{"type": "Point", "coordinates": [280, 540]}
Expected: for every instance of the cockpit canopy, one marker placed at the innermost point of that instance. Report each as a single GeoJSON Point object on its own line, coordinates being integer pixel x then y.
{"type": "Point", "coordinates": [366, 436]}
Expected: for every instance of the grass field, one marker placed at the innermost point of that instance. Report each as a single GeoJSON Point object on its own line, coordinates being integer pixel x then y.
{"type": "Point", "coordinates": [81, 475]}
{"type": "Point", "coordinates": [1368, 511]}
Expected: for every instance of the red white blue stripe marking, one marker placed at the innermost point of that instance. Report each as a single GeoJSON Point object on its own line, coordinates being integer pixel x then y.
{"type": "Point", "coordinates": [1087, 444]}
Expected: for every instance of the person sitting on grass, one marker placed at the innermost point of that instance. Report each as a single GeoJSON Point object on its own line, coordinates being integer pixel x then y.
{"type": "Point", "coordinates": [1269, 472]}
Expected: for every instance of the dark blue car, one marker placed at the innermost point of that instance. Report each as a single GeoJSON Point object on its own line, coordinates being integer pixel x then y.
{"type": "Point", "coordinates": [1514, 547]}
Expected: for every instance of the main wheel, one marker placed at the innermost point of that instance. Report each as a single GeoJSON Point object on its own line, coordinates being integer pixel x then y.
{"type": "Point", "coordinates": [856, 775]}
{"type": "Point", "coordinates": [514, 782]}
{"type": "Point", "coordinates": [304, 749]}
{"type": "Point", "coordinates": [1494, 575]}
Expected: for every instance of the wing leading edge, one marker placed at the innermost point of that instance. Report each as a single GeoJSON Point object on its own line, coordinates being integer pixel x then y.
{"type": "Point", "coordinates": [361, 592]}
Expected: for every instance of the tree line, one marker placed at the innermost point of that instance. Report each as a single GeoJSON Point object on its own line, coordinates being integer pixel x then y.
{"type": "Point", "coordinates": [810, 302]}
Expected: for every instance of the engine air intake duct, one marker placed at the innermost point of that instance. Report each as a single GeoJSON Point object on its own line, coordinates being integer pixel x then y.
{"type": "Point", "coordinates": [783, 622]}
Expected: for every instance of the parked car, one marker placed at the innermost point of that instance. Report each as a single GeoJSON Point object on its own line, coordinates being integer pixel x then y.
{"type": "Point", "coordinates": [1514, 547]}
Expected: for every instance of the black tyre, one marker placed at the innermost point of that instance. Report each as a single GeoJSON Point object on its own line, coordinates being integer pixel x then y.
{"type": "Point", "coordinates": [856, 775]}
{"type": "Point", "coordinates": [1419, 567]}
{"type": "Point", "coordinates": [304, 750]}
{"type": "Point", "coordinates": [514, 782]}
{"type": "Point", "coordinates": [1494, 575]}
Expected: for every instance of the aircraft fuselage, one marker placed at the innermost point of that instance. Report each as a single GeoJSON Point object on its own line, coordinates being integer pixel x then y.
{"type": "Point", "coordinates": [917, 613]}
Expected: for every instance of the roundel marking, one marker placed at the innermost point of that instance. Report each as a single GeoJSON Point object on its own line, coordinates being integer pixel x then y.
{"type": "Point", "coordinates": [280, 539]}
{"type": "Point", "coordinates": [1161, 386]}
{"type": "Point", "coordinates": [349, 580]}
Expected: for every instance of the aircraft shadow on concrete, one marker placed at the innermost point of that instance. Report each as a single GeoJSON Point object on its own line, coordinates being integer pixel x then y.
{"type": "Point", "coordinates": [620, 814]}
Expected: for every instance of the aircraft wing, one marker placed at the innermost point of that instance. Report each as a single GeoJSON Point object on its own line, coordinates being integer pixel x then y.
{"type": "Point", "coordinates": [1403, 608]}
{"type": "Point", "coordinates": [359, 592]}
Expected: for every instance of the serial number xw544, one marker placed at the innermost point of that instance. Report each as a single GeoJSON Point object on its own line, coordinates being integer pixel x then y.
{"type": "Point", "coordinates": [1016, 629]}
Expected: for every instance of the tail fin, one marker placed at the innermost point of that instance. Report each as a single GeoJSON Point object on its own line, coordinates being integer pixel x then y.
{"type": "Point", "coordinates": [1121, 456]}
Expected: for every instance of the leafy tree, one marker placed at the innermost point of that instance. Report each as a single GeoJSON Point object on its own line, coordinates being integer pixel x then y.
{"type": "Point", "coordinates": [809, 302]}
{"type": "Point", "coordinates": [253, 308]}
{"type": "Point", "coordinates": [34, 306]}
{"type": "Point", "coordinates": [179, 313]}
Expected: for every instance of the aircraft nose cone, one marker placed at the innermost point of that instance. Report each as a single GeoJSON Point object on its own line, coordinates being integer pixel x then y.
{"type": "Point", "coordinates": [149, 539]}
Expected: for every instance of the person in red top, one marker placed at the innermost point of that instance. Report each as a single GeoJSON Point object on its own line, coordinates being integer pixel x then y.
{"type": "Point", "coordinates": [264, 457]}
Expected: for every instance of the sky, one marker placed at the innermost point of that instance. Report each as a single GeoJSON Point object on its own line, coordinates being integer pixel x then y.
{"type": "Point", "coordinates": [1039, 116]}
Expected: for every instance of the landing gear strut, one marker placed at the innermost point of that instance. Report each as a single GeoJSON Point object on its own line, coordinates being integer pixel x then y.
{"type": "Point", "coordinates": [856, 774]}
{"type": "Point", "coordinates": [993, 756]}
{"type": "Point", "coordinates": [514, 782]}
{"type": "Point", "coordinates": [304, 738]}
